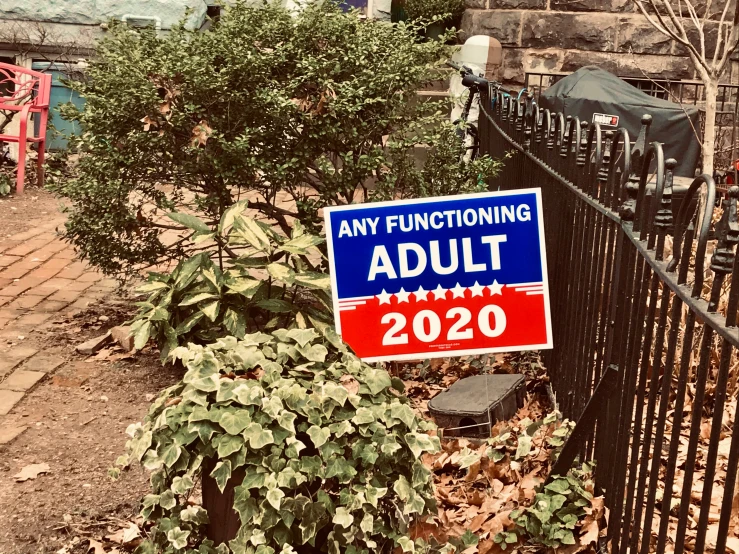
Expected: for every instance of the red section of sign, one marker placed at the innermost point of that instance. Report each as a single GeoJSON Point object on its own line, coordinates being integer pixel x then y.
{"type": "Point", "coordinates": [456, 321]}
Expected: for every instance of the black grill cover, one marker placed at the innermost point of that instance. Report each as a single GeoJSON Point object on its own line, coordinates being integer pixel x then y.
{"type": "Point", "coordinates": [592, 90]}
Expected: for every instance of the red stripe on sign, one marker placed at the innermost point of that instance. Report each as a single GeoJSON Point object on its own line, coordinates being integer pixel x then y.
{"type": "Point", "coordinates": [453, 321]}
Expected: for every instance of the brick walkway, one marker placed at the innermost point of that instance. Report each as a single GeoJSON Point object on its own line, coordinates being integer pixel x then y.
{"type": "Point", "coordinates": [39, 279]}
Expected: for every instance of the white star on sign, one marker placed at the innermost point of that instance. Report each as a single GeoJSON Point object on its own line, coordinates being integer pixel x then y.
{"type": "Point", "coordinates": [458, 292]}
{"type": "Point", "coordinates": [495, 288]}
{"type": "Point", "coordinates": [402, 295]}
{"type": "Point", "coordinates": [421, 294]}
{"type": "Point", "coordinates": [384, 297]}
{"type": "Point", "coordinates": [477, 289]}
{"type": "Point", "coordinates": [439, 293]}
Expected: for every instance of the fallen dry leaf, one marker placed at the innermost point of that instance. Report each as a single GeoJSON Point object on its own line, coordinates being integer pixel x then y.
{"type": "Point", "coordinates": [589, 531]}
{"type": "Point", "coordinates": [125, 536]}
{"type": "Point", "coordinates": [732, 543]}
{"type": "Point", "coordinates": [131, 533]}
{"type": "Point", "coordinates": [201, 133]}
{"type": "Point", "coordinates": [96, 546]}
{"type": "Point", "coordinates": [31, 472]}
{"type": "Point", "coordinates": [350, 384]}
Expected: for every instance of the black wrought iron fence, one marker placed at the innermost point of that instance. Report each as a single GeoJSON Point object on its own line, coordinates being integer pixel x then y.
{"type": "Point", "coordinates": [644, 311]}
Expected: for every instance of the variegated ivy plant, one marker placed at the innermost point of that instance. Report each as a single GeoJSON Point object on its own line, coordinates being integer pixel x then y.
{"type": "Point", "coordinates": [324, 449]}
{"type": "Point", "coordinates": [263, 281]}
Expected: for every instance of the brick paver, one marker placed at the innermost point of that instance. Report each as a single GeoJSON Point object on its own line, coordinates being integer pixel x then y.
{"type": "Point", "coordinates": [21, 380]}
{"type": "Point", "coordinates": [39, 278]}
{"type": "Point", "coordinates": [9, 432]}
{"type": "Point", "coordinates": [8, 399]}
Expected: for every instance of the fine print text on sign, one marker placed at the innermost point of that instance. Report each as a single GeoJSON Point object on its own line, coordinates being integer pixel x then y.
{"type": "Point", "coordinates": [440, 276]}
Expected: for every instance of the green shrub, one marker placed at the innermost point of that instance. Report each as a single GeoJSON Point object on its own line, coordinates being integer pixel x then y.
{"type": "Point", "coordinates": [448, 10]}
{"type": "Point", "coordinates": [263, 281]}
{"type": "Point", "coordinates": [326, 449]}
{"type": "Point", "coordinates": [290, 111]}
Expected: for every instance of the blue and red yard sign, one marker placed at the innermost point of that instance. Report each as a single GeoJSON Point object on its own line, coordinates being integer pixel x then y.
{"type": "Point", "coordinates": [440, 276]}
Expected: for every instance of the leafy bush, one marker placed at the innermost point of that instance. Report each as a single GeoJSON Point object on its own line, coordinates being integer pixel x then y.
{"type": "Point", "coordinates": [290, 111]}
{"type": "Point", "coordinates": [430, 9]}
{"type": "Point", "coordinates": [263, 281]}
{"type": "Point", "coordinates": [323, 448]}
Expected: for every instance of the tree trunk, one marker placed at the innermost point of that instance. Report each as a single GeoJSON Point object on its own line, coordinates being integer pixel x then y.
{"type": "Point", "coordinates": [709, 133]}
{"type": "Point", "coordinates": [709, 141]}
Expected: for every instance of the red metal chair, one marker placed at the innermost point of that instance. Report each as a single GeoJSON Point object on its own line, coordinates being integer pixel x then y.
{"type": "Point", "coordinates": [25, 91]}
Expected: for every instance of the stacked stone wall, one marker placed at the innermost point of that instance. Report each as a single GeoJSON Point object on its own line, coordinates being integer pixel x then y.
{"type": "Point", "coordinates": [553, 36]}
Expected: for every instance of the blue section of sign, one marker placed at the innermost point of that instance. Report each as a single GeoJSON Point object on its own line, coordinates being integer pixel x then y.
{"type": "Point", "coordinates": [437, 242]}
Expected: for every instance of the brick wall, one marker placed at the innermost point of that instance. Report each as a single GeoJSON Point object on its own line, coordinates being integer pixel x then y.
{"type": "Point", "coordinates": [564, 35]}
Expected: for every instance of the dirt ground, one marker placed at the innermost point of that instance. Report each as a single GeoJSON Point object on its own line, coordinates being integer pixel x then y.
{"type": "Point", "coordinates": [18, 213]}
{"type": "Point", "coordinates": [76, 421]}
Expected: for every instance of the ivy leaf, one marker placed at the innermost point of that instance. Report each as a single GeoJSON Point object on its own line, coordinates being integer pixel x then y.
{"type": "Point", "coordinates": [189, 221]}
{"type": "Point", "coordinates": [318, 435]}
{"type": "Point", "coordinates": [403, 488]}
{"type": "Point", "coordinates": [420, 443]}
{"type": "Point", "coordinates": [181, 485]}
{"type": "Point", "coordinates": [373, 494]}
{"type": "Point", "coordinates": [363, 416]}
{"type": "Point", "coordinates": [167, 500]}
{"type": "Point", "coordinates": [221, 473]}
{"type": "Point", "coordinates": [368, 523]}
{"type": "Point", "coordinates": [343, 517]}
{"type": "Point", "coordinates": [341, 469]}
{"type": "Point", "coordinates": [234, 420]}
{"type": "Point", "coordinates": [253, 479]}
{"type": "Point", "coordinates": [302, 336]}
{"type": "Point", "coordinates": [274, 497]}
{"type": "Point", "coordinates": [316, 353]}
{"type": "Point", "coordinates": [257, 436]}
{"type": "Point", "coordinates": [406, 544]}
{"type": "Point", "coordinates": [178, 538]}
{"type": "Point", "coordinates": [286, 420]}
{"type": "Point", "coordinates": [244, 504]}
{"type": "Point", "coordinates": [560, 486]}
{"type": "Point", "coordinates": [170, 454]}
{"type": "Point", "coordinates": [377, 380]}
{"type": "Point", "coordinates": [272, 406]}
{"type": "Point", "coordinates": [524, 446]}
{"type": "Point", "coordinates": [228, 444]}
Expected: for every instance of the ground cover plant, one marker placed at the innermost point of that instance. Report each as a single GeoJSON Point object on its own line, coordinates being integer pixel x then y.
{"type": "Point", "coordinates": [326, 448]}
{"type": "Point", "coordinates": [290, 111]}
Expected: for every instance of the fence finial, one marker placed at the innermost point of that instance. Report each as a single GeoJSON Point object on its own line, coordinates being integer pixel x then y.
{"type": "Point", "coordinates": [727, 230]}
{"type": "Point", "coordinates": [628, 208]}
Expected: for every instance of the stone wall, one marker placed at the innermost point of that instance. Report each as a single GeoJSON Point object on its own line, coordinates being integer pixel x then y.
{"type": "Point", "coordinates": [553, 36]}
